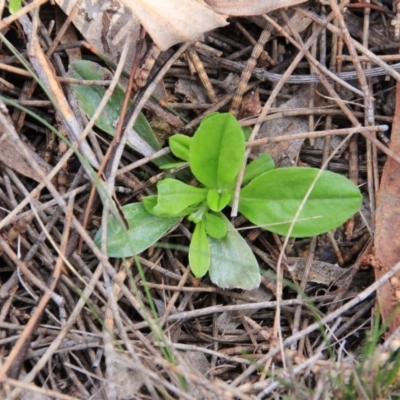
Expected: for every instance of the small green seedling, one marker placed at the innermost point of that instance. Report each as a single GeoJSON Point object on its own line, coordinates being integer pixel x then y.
{"type": "Point", "coordinates": [270, 198]}
{"type": "Point", "coordinates": [14, 6]}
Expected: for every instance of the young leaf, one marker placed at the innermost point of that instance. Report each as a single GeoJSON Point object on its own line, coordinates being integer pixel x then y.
{"type": "Point", "coordinates": [262, 164]}
{"type": "Point", "coordinates": [150, 202]}
{"type": "Point", "coordinates": [14, 6]}
{"type": "Point", "coordinates": [144, 230]}
{"type": "Point", "coordinates": [199, 251]}
{"type": "Point", "coordinates": [217, 151]}
{"type": "Point", "coordinates": [197, 215]}
{"type": "Point", "coordinates": [217, 201]}
{"type": "Point", "coordinates": [272, 199]}
{"type": "Point", "coordinates": [215, 225]}
{"type": "Point", "coordinates": [180, 145]}
{"type": "Point", "coordinates": [233, 264]}
{"type": "Point", "coordinates": [175, 196]}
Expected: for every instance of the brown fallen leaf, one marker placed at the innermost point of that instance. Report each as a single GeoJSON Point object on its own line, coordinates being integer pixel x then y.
{"type": "Point", "coordinates": [249, 7]}
{"type": "Point", "coordinates": [169, 22]}
{"type": "Point", "coordinates": [251, 104]}
{"type": "Point", "coordinates": [387, 232]}
{"type": "Point", "coordinates": [105, 25]}
{"type": "Point", "coordinates": [285, 153]}
{"type": "Point", "coordinates": [198, 365]}
{"type": "Point", "coordinates": [15, 156]}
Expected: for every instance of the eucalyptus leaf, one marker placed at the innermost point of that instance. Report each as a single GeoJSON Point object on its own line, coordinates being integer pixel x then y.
{"type": "Point", "coordinates": [233, 264]}
{"type": "Point", "coordinates": [175, 196]}
{"type": "Point", "coordinates": [144, 230]}
{"type": "Point", "coordinates": [272, 199]}
{"type": "Point", "coordinates": [89, 98]}
{"type": "Point", "coordinates": [262, 164]}
{"type": "Point", "coordinates": [199, 251]}
{"type": "Point", "coordinates": [217, 151]}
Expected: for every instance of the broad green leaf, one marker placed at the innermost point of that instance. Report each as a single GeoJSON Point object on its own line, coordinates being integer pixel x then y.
{"type": "Point", "coordinates": [215, 225]}
{"type": "Point", "coordinates": [217, 200]}
{"type": "Point", "coordinates": [150, 202]}
{"type": "Point", "coordinates": [175, 196]}
{"type": "Point", "coordinates": [144, 230]}
{"type": "Point", "coordinates": [262, 164]}
{"type": "Point", "coordinates": [217, 151]}
{"type": "Point", "coordinates": [272, 199]}
{"type": "Point", "coordinates": [14, 6]}
{"type": "Point", "coordinates": [180, 145]}
{"type": "Point", "coordinates": [233, 264]}
{"type": "Point", "coordinates": [89, 98]}
{"type": "Point", "coordinates": [199, 251]}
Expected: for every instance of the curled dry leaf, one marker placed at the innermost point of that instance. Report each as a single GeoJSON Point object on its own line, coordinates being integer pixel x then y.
{"type": "Point", "coordinates": [249, 7]}
{"type": "Point", "coordinates": [169, 22]}
{"type": "Point", "coordinates": [286, 152]}
{"type": "Point", "coordinates": [104, 24]}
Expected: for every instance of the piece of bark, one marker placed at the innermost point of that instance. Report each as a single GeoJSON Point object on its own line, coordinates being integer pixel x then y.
{"type": "Point", "coordinates": [387, 233]}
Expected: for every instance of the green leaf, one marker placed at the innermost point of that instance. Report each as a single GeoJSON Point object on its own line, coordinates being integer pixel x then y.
{"type": "Point", "coordinates": [175, 196]}
{"type": "Point", "coordinates": [173, 165]}
{"type": "Point", "coordinates": [217, 200]}
{"type": "Point", "coordinates": [206, 117]}
{"type": "Point", "coordinates": [233, 264]}
{"type": "Point", "coordinates": [150, 202]}
{"type": "Point", "coordinates": [199, 213]}
{"type": "Point", "coordinates": [262, 164]}
{"type": "Point", "coordinates": [89, 98]}
{"type": "Point", "coordinates": [247, 133]}
{"type": "Point", "coordinates": [215, 225]}
{"type": "Point", "coordinates": [144, 230]}
{"type": "Point", "coordinates": [217, 151]}
{"type": "Point", "coordinates": [14, 6]}
{"type": "Point", "coordinates": [180, 145]}
{"type": "Point", "coordinates": [272, 199]}
{"type": "Point", "coordinates": [199, 251]}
